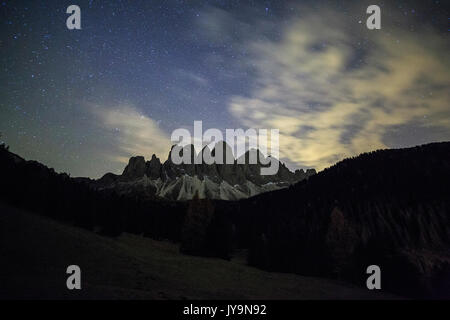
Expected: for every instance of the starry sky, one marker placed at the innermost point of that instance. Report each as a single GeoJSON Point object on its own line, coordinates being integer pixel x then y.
{"type": "Point", "coordinates": [84, 101]}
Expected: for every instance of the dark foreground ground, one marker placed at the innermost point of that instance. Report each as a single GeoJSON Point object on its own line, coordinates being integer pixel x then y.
{"type": "Point", "coordinates": [35, 252]}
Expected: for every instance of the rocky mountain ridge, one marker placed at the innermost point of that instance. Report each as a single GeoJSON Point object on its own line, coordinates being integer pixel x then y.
{"type": "Point", "coordinates": [226, 181]}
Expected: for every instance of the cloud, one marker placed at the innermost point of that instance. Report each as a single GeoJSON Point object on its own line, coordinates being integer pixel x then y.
{"type": "Point", "coordinates": [330, 100]}
{"type": "Point", "coordinates": [134, 133]}
{"type": "Point", "coordinates": [191, 77]}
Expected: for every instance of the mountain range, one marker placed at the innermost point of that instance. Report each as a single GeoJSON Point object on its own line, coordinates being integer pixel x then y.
{"type": "Point", "coordinates": [388, 208]}
{"type": "Point", "coordinates": [227, 181]}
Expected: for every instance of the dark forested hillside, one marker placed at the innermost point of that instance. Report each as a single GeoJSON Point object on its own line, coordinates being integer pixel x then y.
{"type": "Point", "coordinates": [389, 208]}
{"type": "Point", "coordinates": [33, 186]}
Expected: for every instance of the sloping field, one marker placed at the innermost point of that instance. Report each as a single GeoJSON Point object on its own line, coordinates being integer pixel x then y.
{"type": "Point", "coordinates": [35, 252]}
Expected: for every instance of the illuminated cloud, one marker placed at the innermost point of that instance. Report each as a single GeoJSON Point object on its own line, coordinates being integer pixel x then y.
{"type": "Point", "coordinates": [135, 133]}
{"type": "Point", "coordinates": [328, 105]}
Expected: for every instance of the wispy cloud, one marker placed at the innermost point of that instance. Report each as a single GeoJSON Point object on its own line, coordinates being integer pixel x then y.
{"type": "Point", "coordinates": [134, 132]}
{"type": "Point", "coordinates": [191, 77]}
{"type": "Point", "coordinates": [329, 105]}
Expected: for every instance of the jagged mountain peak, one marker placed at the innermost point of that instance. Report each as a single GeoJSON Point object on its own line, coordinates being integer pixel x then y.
{"type": "Point", "coordinates": [135, 168]}
{"type": "Point", "coordinates": [224, 152]}
{"type": "Point", "coordinates": [230, 180]}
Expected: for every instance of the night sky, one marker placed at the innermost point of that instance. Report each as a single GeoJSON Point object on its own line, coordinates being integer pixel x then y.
{"type": "Point", "coordinates": [84, 101]}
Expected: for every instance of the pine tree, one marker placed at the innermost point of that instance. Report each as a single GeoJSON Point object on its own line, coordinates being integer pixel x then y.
{"type": "Point", "coordinates": [194, 232]}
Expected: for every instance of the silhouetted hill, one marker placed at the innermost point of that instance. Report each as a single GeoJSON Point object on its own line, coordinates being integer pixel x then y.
{"type": "Point", "coordinates": [33, 186]}
{"type": "Point", "coordinates": [389, 207]}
